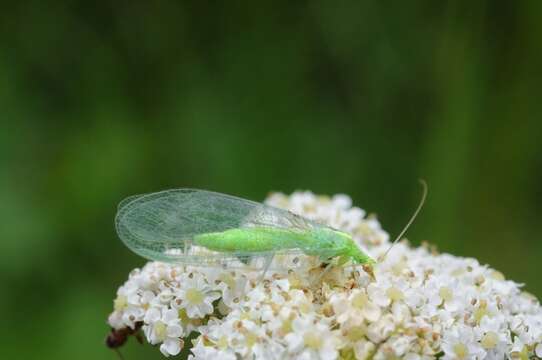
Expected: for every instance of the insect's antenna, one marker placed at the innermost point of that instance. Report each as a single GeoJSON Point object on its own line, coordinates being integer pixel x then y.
{"type": "Point", "coordinates": [412, 218]}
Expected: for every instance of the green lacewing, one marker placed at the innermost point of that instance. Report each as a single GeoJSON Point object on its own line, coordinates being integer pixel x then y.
{"type": "Point", "coordinates": [205, 228]}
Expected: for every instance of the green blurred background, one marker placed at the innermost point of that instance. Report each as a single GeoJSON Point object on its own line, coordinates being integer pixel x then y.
{"type": "Point", "coordinates": [99, 102]}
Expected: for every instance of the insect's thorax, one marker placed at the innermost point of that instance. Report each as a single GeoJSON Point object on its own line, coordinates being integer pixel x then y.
{"type": "Point", "coordinates": [326, 238]}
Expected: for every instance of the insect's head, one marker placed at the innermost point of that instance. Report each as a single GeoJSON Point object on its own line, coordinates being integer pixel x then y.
{"type": "Point", "coordinates": [337, 243]}
{"type": "Point", "coordinates": [357, 256]}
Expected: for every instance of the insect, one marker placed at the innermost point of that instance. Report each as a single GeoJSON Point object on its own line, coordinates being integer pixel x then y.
{"type": "Point", "coordinates": [117, 338]}
{"type": "Point", "coordinates": [205, 228]}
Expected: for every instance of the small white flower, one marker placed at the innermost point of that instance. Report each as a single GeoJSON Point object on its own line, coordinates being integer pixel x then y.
{"type": "Point", "coordinates": [494, 336]}
{"type": "Point", "coordinates": [380, 330]}
{"type": "Point", "coordinates": [131, 315]}
{"type": "Point", "coordinates": [255, 297]}
{"type": "Point", "coordinates": [162, 325]}
{"type": "Point", "coordinates": [395, 346]}
{"type": "Point", "coordinates": [233, 287]}
{"type": "Point", "coordinates": [279, 323]}
{"type": "Point", "coordinates": [196, 296]}
{"type": "Point", "coordinates": [311, 339]}
{"type": "Point", "coordinates": [354, 308]}
{"type": "Point", "coordinates": [115, 320]}
{"type": "Point", "coordinates": [518, 349]}
{"type": "Point", "coordinates": [460, 343]}
{"type": "Point", "coordinates": [364, 349]}
{"type": "Point", "coordinates": [202, 352]}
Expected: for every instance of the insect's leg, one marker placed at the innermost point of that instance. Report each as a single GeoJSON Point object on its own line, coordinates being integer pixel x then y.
{"type": "Point", "coordinates": [268, 261]}
{"type": "Point", "coordinates": [186, 246]}
{"type": "Point", "coordinates": [330, 263]}
{"type": "Point", "coordinates": [139, 337]}
{"type": "Point", "coordinates": [326, 269]}
{"type": "Point", "coordinates": [119, 354]}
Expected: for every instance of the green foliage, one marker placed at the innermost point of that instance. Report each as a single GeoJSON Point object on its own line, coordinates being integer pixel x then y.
{"type": "Point", "coordinates": [362, 98]}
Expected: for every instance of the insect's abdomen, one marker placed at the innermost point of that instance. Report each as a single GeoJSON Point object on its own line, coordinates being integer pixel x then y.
{"type": "Point", "coordinates": [251, 240]}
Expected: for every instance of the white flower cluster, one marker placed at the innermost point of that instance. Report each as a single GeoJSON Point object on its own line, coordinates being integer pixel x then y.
{"type": "Point", "coordinates": [418, 305]}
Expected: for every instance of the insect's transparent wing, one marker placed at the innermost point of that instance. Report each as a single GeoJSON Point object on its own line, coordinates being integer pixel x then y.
{"type": "Point", "coordinates": [267, 216]}
{"type": "Point", "coordinates": [128, 200]}
{"type": "Point", "coordinates": [161, 226]}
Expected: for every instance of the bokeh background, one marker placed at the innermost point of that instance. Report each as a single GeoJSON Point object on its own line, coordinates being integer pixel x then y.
{"type": "Point", "coordinates": [99, 102]}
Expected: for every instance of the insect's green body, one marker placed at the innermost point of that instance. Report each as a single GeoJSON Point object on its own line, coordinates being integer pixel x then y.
{"type": "Point", "coordinates": [174, 225]}
{"type": "Point", "coordinates": [320, 241]}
